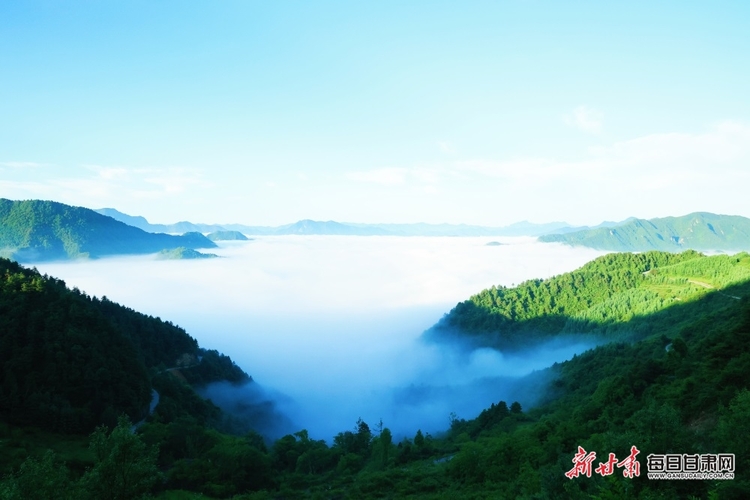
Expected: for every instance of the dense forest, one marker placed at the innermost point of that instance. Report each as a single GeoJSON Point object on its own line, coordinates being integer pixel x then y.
{"type": "Point", "coordinates": [677, 383]}
{"type": "Point", "coordinates": [613, 297]}
{"type": "Point", "coordinates": [71, 362]}
{"type": "Point", "coordinates": [35, 230]}
{"type": "Point", "coordinates": [696, 231]}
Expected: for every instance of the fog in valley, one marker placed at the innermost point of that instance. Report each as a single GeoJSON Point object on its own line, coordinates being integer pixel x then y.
{"type": "Point", "coordinates": [330, 327]}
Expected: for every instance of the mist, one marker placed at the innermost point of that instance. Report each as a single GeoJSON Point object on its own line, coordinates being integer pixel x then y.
{"type": "Point", "coordinates": [330, 328]}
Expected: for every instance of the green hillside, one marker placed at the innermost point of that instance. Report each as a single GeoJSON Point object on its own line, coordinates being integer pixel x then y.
{"type": "Point", "coordinates": [611, 297]}
{"type": "Point", "coordinates": [698, 231]}
{"type": "Point", "coordinates": [681, 390]}
{"type": "Point", "coordinates": [183, 253]}
{"type": "Point", "coordinates": [679, 385]}
{"type": "Point", "coordinates": [226, 236]}
{"type": "Point", "coordinates": [35, 230]}
{"type": "Point", "coordinates": [70, 361]}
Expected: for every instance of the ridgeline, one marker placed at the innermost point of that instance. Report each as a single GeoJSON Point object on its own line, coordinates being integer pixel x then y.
{"type": "Point", "coordinates": [697, 231]}
{"type": "Point", "coordinates": [34, 230]}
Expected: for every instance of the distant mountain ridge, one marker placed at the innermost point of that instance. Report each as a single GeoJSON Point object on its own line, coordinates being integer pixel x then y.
{"type": "Point", "coordinates": [143, 224]}
{"type": "Point", "coordinates": [701, 231]}
{"type": "Point", "coordinates": [35, 230]}
{"type": "Point", "coordinates": [226, 236]}
{"type": "Point", "coordinates": [312, 227]}
{"type": "Point", "coordinates": [523, 228]}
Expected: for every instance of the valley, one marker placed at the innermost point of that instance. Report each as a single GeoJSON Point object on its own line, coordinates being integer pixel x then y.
{"type": "Point", "coordinates": [423, 403]}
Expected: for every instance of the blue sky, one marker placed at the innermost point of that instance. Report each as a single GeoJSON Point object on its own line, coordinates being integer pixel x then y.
{"type": "Point", "coordinates": [463, 112]}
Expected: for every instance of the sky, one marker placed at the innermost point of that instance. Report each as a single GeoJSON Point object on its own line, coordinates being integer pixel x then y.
{"type": "Point", "coordinates": [477, 112]}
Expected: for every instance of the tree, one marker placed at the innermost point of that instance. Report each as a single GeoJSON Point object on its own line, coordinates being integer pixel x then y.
{"type": "Point", "coordinates": [363, 437]}
{"type": "Point", "coordinates": [419, 439]}
{"type": "Point", "coordinates": [386, 441]}
{"type": "Point", "coordinates": [38, 479]}
{"type": "Point", "coordinates": [125, 467]}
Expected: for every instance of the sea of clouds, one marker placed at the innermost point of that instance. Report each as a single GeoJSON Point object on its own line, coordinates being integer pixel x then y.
{"type": "Point", "coordinates": [330, 326]}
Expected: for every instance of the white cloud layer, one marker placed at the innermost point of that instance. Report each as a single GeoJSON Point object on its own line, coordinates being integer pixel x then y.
{"type": "Point", "coordinates": [334, 322]}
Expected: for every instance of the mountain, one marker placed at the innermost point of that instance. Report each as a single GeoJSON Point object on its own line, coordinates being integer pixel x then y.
{"type": "Point", "coordinates": [226, 236]}
{"type": "Point", "coordinates": [71, 361]}
{"type": "Point", "coordinates": [328, 228]}
{"type": "Point", "coordinates": [36, 230]}
{"type": "Point", "coordinates": [699, 231]}
{"type": "Point", "coordinates": [669, 381]}
{"type": "Point", "coordinates": [422, 229]}
{"type": "Point", "coordinates": [573, 229]}
{"type": "Point", "coordinates": [183, 253]}
{"type": "Point", "coordinates": [601, 300]}
{"type": "Point", "coordinates": [143, 224]}
{"type": "Point", "coordinates": [311, 227]}
{"type": "Point", "coordinates": [675, 385]}
{"type": "Point", "coordinates": [416, 229]}
{"type": "Point", "coordinates": [132, 220]}
{"type": "Point", "coordinates": [526, 228]}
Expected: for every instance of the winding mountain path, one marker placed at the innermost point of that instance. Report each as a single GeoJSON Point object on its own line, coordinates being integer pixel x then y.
{"type": "Point", "coordinates": [155, 396]}
{"type": "Point", "coordinates": [151, 407]}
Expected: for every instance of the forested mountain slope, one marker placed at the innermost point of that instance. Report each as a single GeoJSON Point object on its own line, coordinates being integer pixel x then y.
{"type": "Point", "coordinates": [35, 230]}
{"type": "Point", "coordinates": [681, 390]}
{"type": "Point", "coordinates": [69, 362]}
{"type": "Point", "coordinates": [697, 231]}
{"type": "Point", "coordinates": [679, 385]}
{"type": "Point", "coordinates": [613, 297]}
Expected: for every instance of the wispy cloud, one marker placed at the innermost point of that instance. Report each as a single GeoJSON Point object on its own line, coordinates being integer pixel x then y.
{"type": "Point", "coordinates": [446, 147]}
{"type": "Point", "coordinates": [421, 179]}
{"type": "Point", "coordinates": [509, 169]}
{"type": "Point", "coordinates": [26, 189]}
{"type": "Point", "coordinates": [657, 174]}
{"type": "Point", "coordinates": [383, 176]}
{"type": "Point", "coordinates": [23, 164]}
{"type": "Point", "coordinates": [98, 185]}
{"type": "Point", "coordinates": [173, 180]}
{"type": "Point", "coordinates": [169, 179]}
{"type": "Point", "coordinates": [585, 118]}
{"type": "Point", "coordinates": [724, 144]}
{"type": "Point", "coordinates": [723, 148]}
{"type": "Point", "coordinates": [110, 173]}
{"type": "Point", "coordinates": [425, 175]}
